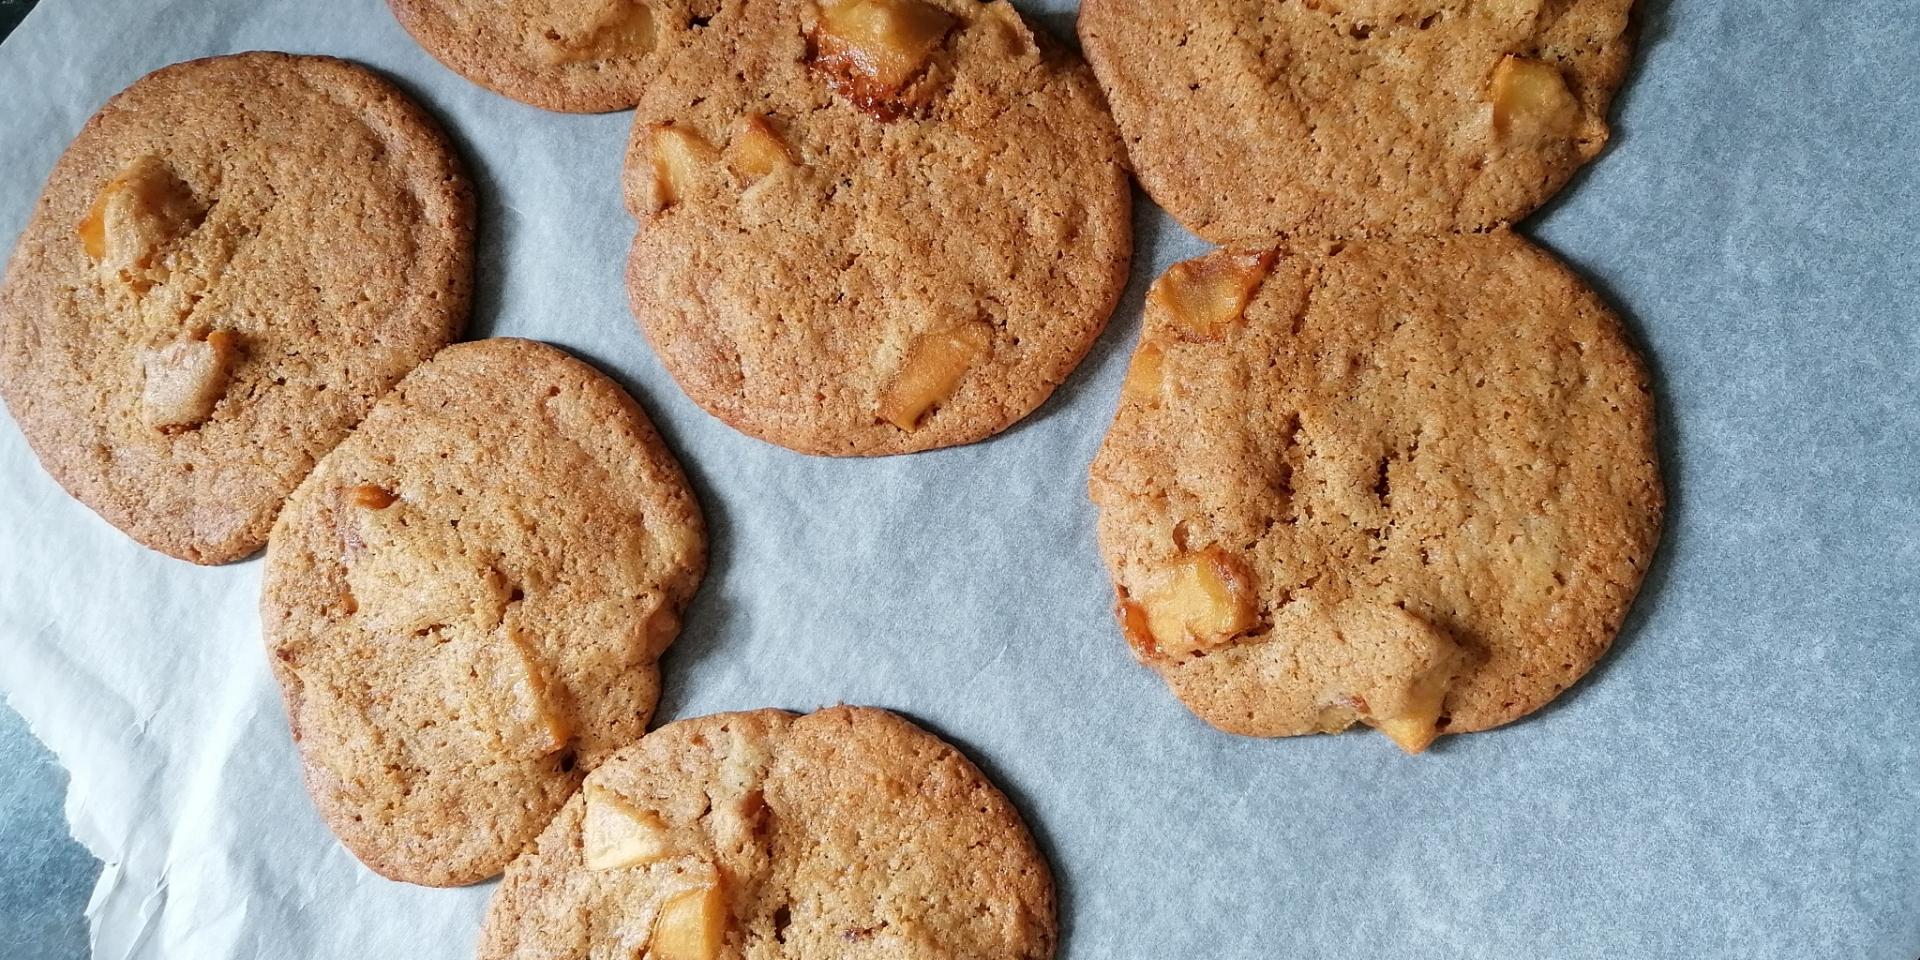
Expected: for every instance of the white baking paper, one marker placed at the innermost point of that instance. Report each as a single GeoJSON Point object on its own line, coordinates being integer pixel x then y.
{"type": "Point", "coordinates": [1739, 779]}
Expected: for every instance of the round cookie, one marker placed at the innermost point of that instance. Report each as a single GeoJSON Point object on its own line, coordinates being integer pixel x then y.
{"type": "Point", "coordinates": [1249, 120]}
{"type": "Point", "coordinates": [233, 260]}
{"type": "Point", "coordinates": [877, 226]}
{"type": "Point", "coordinates": [576, 56]}
{"type": "Point", "coordinates": [465, 603]}
{"type": "Point", "coordinates": [841, 834]}
{"type": "Point", "coordinates": [1409, 484]}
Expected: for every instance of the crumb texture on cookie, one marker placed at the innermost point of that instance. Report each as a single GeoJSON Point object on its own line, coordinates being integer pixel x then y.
{"type": "Point", "coordinates": [233, 260]}
{"type": "Point", "coordinates": [841, 834]}
{"type": "Point", "coordinates": [1413, 484]}
{"type": "Point", "coordinates": [874, 226]}
{"type": "Point", "coordinates": [574, 56]}
{"type": "Point", "coordinates": [465, 603]}
{"type": "Point", "coordinates": [1250, 120]}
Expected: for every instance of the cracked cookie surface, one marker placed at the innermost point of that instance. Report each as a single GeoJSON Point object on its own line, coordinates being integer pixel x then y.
{"type": "Point", "coordinates": [873, 226]}
{"type": "Point", "coordinates": [233, 260]}
{"type": "Point", "coordinates": [845, 833]}
{"type": "Point", "coordinates": [1251, 120]}
{"type": "Point", "coordinates": [1411, 484]}
{"type": "Point", "coordinates": [465, 603]}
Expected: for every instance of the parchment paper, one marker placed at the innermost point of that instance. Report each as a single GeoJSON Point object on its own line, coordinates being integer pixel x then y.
{"type": "Point", "coordinates": [1739, 779]}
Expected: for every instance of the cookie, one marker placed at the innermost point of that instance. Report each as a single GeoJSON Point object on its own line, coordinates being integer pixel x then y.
{"type": "Point", "coordinates": [576, 56]}
{"type": "Point", "coordinates": [1411, 484]}
{"type": "Point", "coordinates": [465, 602]}
{"type": "Point", "coordinates": [233, 260]}
{"type": "Point", "coordinates": [877, 226]}
{"type": "Point", "coordinates": [1249, 120]}
{"type": "Point", "coordinates": [844, 833]}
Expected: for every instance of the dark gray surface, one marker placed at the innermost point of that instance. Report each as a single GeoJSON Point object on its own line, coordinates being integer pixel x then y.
{"type": "Point", "coordinates": [45, 877]}
{"type": "Point", "coordinates": [11, 12]}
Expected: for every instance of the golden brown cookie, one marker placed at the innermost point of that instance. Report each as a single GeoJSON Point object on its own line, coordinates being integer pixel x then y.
{"type": "Point", "coordinates": [465, 602]}
{"type": "Point", "coordinates": [235, 258]}
{"type": "Point", "coordinates": [1409, 484]}
{"type": "Point", "coordinates": [578, 56]}
{"type": "Point", "coordinates": [877, 226]}
{"type": "Point", "coordinates": [845, 833]}
{"type": "Point", "coordinates": [1249, 120]}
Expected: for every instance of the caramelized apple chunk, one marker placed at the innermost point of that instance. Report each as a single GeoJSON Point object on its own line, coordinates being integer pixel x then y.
{"type": "Point", "coordinates": [1201, 600]}
{"type": "Point", "coordinates": [1134, 627]}
{"type": "Point", "coordinates": [414, 578]}
{"type": "Point", "coordinates": [1334, 718]}
{"type": "Point", "coordinates": [139, 213]}
{"type": "Point", "coordinates": [511, 695]}
{"type": "Point", "coordinates": [872, 49]}
{"type": "Point", "coordinates": [617, 834]}
{"type": "Point", "coordinates": [1414, 722]}
{"type": "Point", "coordinates": [691, 926]}
{"type": "Point", "coordinates": [757, 150]}
{"type": "Point", "coordinates": [582, 30]}
{"type": "Point", "coordinates": [1204, 297]}
{"type": "Point", "coordinates": [1402, 667]}
{"type": "Point", "coordinates": [1531, 102]}
{"type": "Point", "coordinates": [185, 379]}
{"type": "Point", "coordinates": [1145, 375]}
{"type": "Point", "coordinates": [933, 370]}
{"type": "Point", "coordinates": [679, 157]}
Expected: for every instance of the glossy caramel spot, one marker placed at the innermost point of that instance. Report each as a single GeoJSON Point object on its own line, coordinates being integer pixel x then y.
{"type": "Point", "coordinates": [1205, 297]}
{"type": "Point", "coordinates": [372, 496]}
